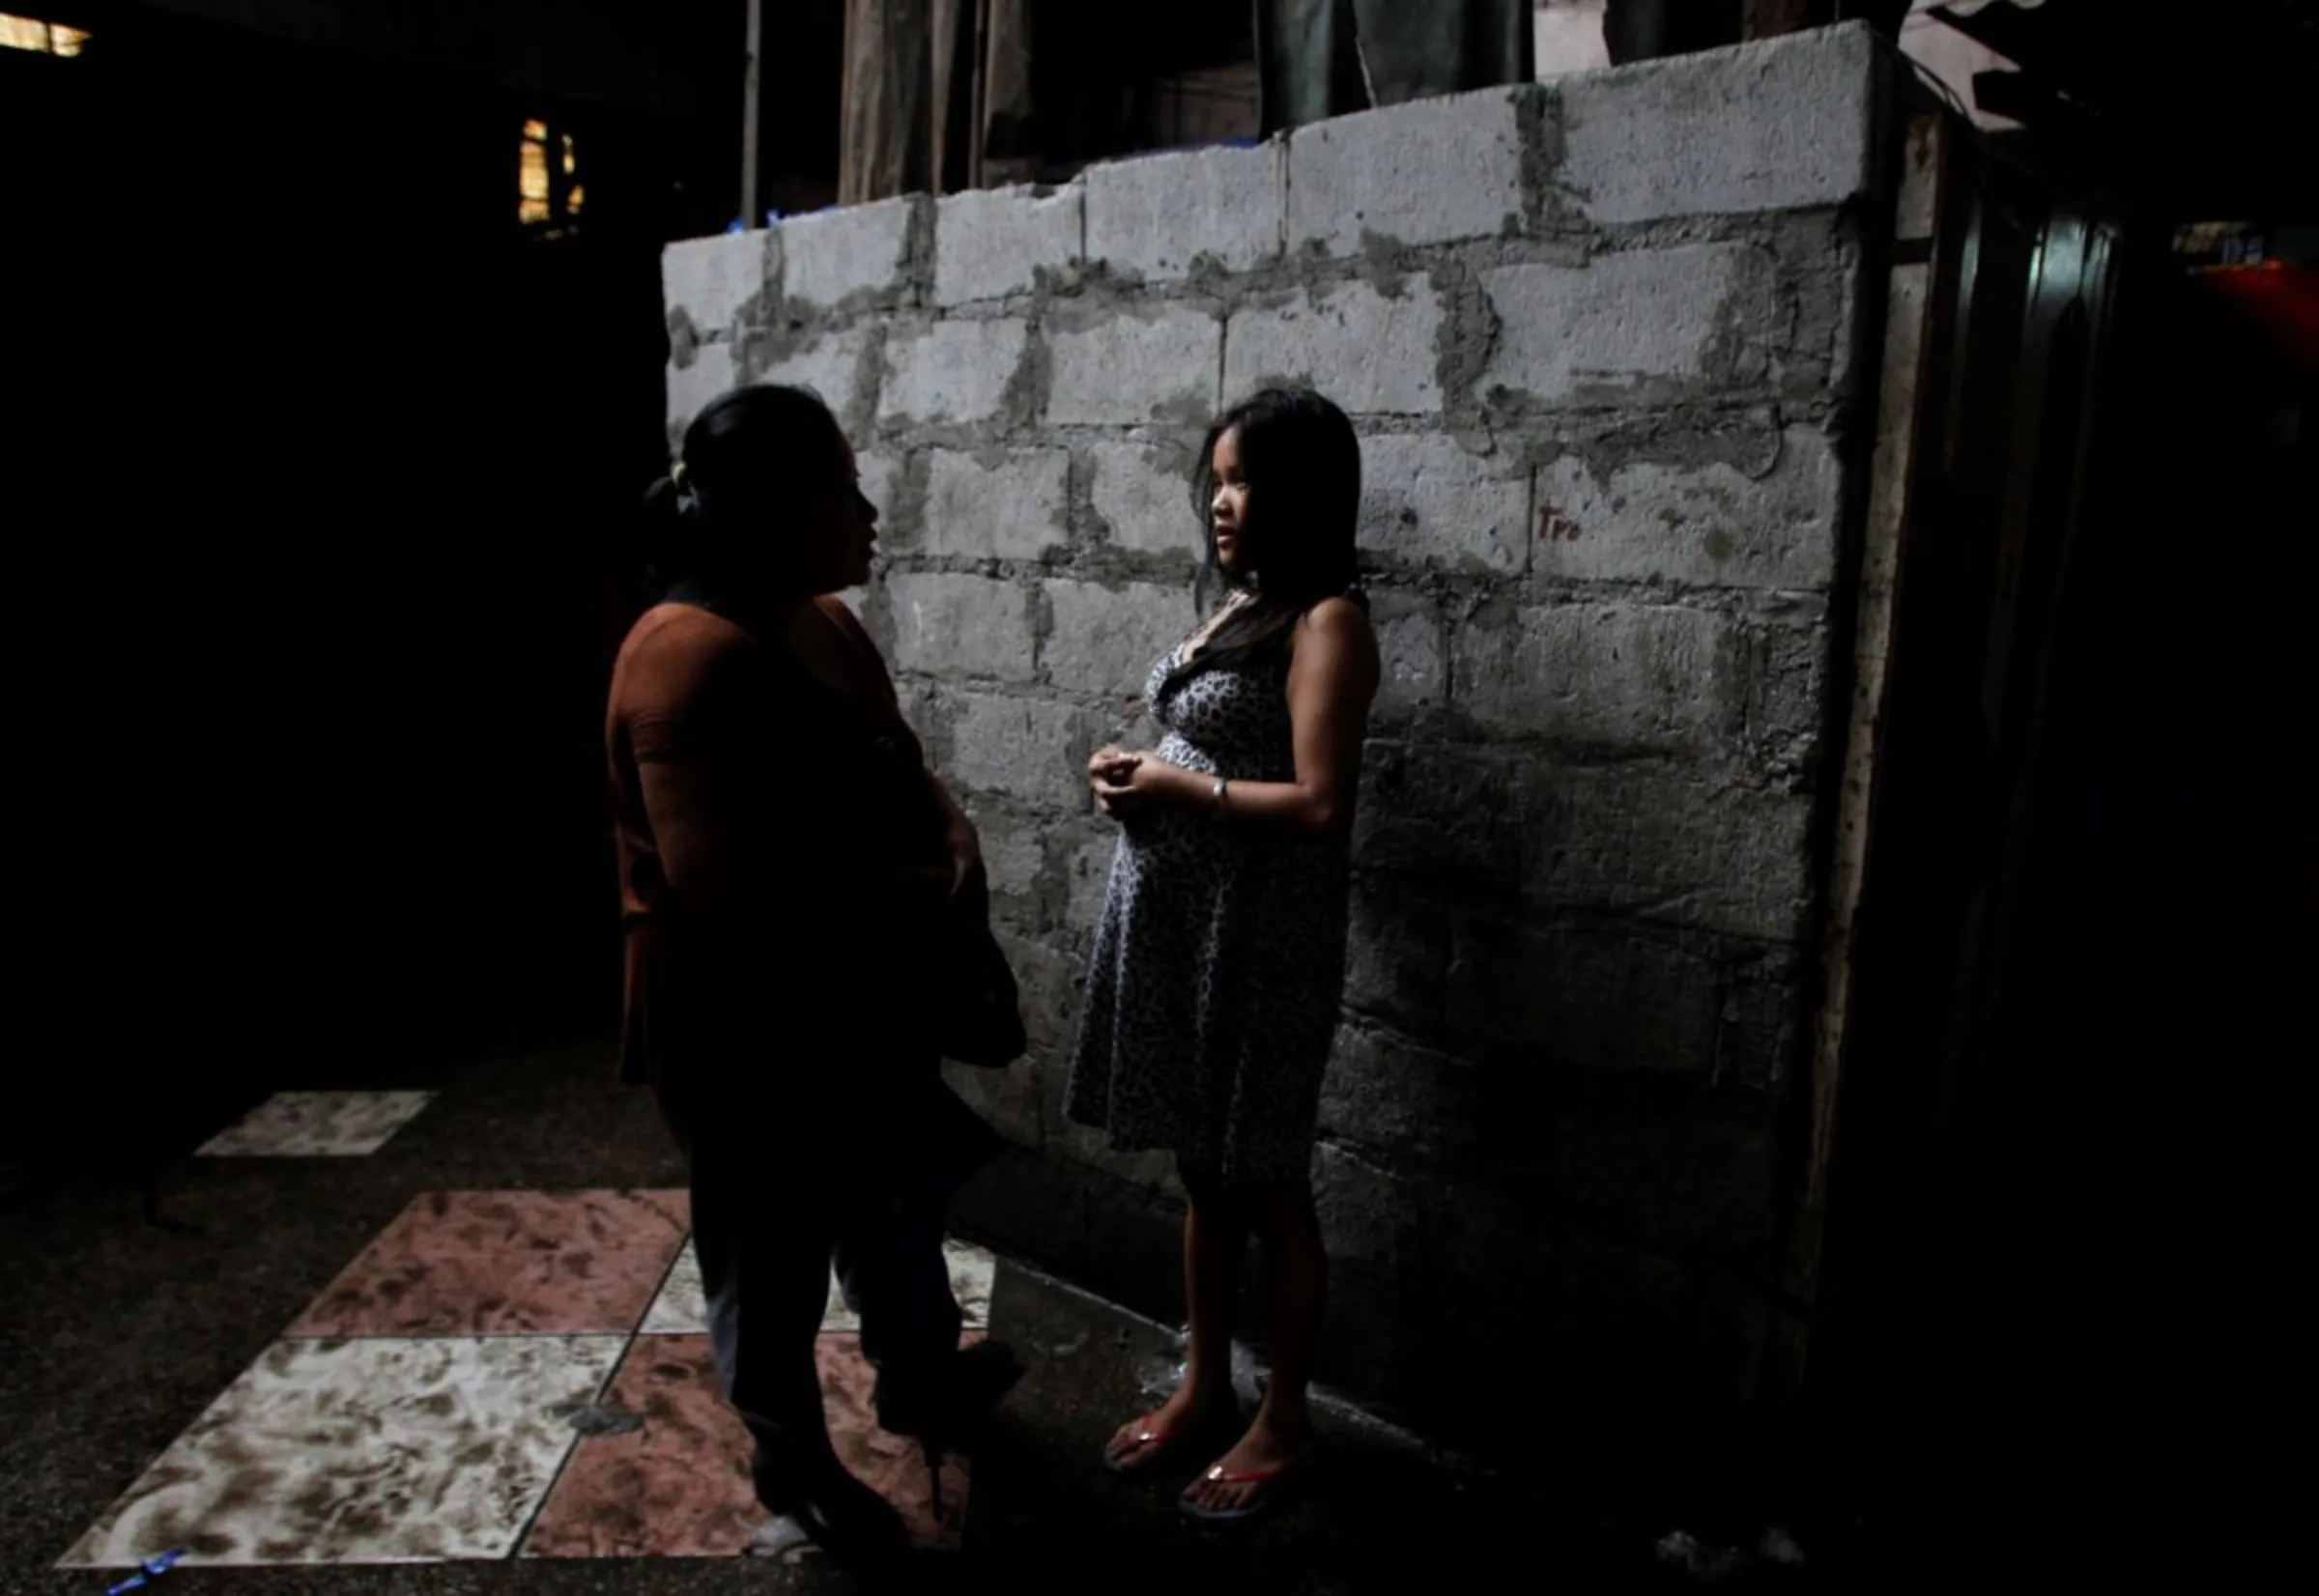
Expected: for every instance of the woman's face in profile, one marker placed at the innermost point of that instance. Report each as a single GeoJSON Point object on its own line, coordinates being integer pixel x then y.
{"type": "Point", "coordinates": [837, 529]}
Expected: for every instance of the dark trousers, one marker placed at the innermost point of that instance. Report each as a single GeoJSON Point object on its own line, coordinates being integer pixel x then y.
{"type": "Point", "coordinates": [771, 1215]}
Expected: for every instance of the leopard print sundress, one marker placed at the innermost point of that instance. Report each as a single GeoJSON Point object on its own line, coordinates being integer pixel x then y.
{"type": "Point", "coordinates": [1214, 985]}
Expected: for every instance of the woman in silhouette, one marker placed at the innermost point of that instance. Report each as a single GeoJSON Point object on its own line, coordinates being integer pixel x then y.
{"type": "Point", "coordinates": [788, 865]}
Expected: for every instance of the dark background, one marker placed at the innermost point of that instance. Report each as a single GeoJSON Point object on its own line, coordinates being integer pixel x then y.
{"type": "Point", "coordinates": [321, 465]}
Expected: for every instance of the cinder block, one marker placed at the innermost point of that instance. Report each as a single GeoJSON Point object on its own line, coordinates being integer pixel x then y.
{"type": "Point", "coordinates": [1447, 818]}
{"type": "Point", "coordinates": [990, 243]}
{"type": "Point", "coordinates": [1669, 842]}
{"type": "Point", "coordinates": [830, 257]}
{"type": "Point", "coordinates": [693, 388]}
{"type": "Point", "coordinates": [952, 372]}
{"type": "Point", "coordinates": [1014, 854]}
{"type": "Point", "coordinates": [881, 476]}
{"type": "Point", "coordinates": [830, 364]}
{"type": "Point", "coordinates": [1428, 500]}
{"type": "Point", "coordinates": [1123, 366]}
{"type": "Point", "coordinates": [1372, 353]}
{"type": "Point", "coordinates": [1640, 326]}
{"type": "Point", "coordinates": [1011, 1099]}
{"type": "Point", "coordinates": [1103, 641]}
{"type": "Point", "coordinates": [1143, 493]}
{"type": "Point", "coordinates": [1049, 980]}
{"type": "Point", "coordinates": [1711, 525]}
{"type": "Point", "coordinates": [1004, 505]}
{"type": "Point", "coordinates": [1429, 172]}
{"type": "Point", "coordinates": [1087, 879]}
{"type": "Point", "coordinates": [712, 280]}
{"type": "Point", "coordinates": [1368, 1223]}
{"type": "Point", "coordinates": [1155, 216]}
{"type": "Point", "coordinates": [1409, 647]}
{"type": "Point", "coordinates": [1397, 956]}
{"type": "Point", "coordinates": [1779, 125]}
{"type": "Point", "coordinates": [1032, 749]}
{"type": "Point", "coordinates": [1683, 1184]}
{"type": "Point", "coordinates": [1402, 1102]}
{"type": "Point", "coordinates": [961, 627]}
{"type": "Point", "coordinates": [1594, 997]}
{"type": "Point", "coordinates": [1633, 678]}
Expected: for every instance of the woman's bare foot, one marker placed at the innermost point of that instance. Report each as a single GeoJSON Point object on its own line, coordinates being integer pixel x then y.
{"type": "Point", "coordinates": [1273, 1447]}
{"type": "Point", "coordinates": [1189, 1413]}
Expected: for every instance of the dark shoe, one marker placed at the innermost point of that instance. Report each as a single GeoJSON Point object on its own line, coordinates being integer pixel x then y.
{"type": "Point", "coordinates": [949, 1398]}
{"type": "Point", "coordinates": [940, 1407]}
{"type": "Point", "coordinates": [846, 1518]}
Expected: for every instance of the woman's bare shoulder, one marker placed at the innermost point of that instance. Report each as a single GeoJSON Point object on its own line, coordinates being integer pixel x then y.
{"type": "Point", "coordinates": [1340, 620]}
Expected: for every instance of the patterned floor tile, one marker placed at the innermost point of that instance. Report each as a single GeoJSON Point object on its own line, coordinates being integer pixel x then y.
{"type": "Point", "coordinates": [508, 1263]}
{"type": "Point", "coordinates": [364, 1452]}
{"type": "Point", "coordinates": [676, 1484]}
{"type": "Point", "coordinates": [318, 1124]}
{"type": "Point", "coordinates": [972, 1270]}
{"type": "Point", "coordinates": [892, 1467]}
{"type": "Point", "coordinates": [682, 1308]}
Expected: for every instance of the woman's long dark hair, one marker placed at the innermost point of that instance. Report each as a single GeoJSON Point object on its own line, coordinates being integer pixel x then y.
{"type": "Point", "coordinates": [1301, 463]}
{"type": "Point", "coordinates": [743, 456]}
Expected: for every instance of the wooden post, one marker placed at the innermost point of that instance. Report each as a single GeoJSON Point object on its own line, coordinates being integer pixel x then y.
{"type": "Point", "coordinates": [750, 118]}
{"type": "Point", "coordinates": [1894, 468]}
{"type": "Point", "coordinates": [979, 101]}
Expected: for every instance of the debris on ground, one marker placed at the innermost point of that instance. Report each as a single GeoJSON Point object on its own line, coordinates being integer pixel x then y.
{"type": "Point", "coordinates": [148, 1571]}
{"type": "Point", "coordinates": [1700, 1559]}
{"type": "Point", "coordinates": [782, 1537]}
{"type": "Point", "coordinates": [1779, 1547]}
{"type": "Point", "coordinates": [1708, 1562]}
{"type": "Point", "coordinates": [594, 1418]}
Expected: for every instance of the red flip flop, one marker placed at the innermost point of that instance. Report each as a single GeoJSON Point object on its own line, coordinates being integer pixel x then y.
{"type": "Point", "coordinates": [1276, 1483]}
{"type": "Point", "coordinates": [1152, 1444]}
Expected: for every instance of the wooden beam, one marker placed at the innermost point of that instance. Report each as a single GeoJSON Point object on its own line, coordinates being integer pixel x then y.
{"type": "Point", "coordinates": [1893, 469]}
{"type": "Point", "coordinates": [751, 117]}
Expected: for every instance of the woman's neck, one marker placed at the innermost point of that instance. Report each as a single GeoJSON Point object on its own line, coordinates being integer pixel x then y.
{"type": "Point", "coordinates": [735, 594]}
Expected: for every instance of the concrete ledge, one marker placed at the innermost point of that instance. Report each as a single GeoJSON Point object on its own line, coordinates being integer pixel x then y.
{"type": "Point", "coordinates": [1161, 216]}
{"type": "Point", "coordinates": [1433, 171]}
{"type": "Point", "coordinates": [991, 242]}
{"type": "Point", "coordinates": [1782, 125]}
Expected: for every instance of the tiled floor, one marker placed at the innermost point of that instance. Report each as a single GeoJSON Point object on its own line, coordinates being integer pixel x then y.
{"type": "Point", "coordinates": [501, 1373]}
{"type": "Point", "coordinates": [318, 1124]}
{"type": "Point", "coordinates": [508, 1263]}
{"type": "Point", "coordinates": [388, 1450]}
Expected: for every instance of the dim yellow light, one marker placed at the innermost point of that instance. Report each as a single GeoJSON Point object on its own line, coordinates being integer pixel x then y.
{"type": "Point", "coordinates": [533, 184]}
{"type": "Point", "coordinates": [22, 33]}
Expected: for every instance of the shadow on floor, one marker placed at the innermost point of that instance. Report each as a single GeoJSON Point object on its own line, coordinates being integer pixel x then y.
{"type": "Point", "coordinates": [116, 1333]}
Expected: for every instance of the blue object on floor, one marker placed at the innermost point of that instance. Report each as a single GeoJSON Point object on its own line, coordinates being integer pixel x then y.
{"type": "Point", "coordinates": [148, 1571]}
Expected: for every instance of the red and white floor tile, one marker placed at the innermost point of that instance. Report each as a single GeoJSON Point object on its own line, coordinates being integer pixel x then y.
{"type": "Point", "coordinates": [500, 1374]}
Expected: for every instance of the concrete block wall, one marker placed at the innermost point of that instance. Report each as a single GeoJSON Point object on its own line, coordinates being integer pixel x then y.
{"type": "Point", "coordinates": [1598, 336]}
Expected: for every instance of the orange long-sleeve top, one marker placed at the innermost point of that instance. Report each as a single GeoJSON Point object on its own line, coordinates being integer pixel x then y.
{"type": "Point", "coordinates": [775, 837]}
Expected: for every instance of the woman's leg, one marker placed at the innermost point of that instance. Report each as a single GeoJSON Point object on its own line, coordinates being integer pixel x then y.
{"type": "Point", "coordinates": [1296, 1286]}
{"type": "Point", "coordinates": [1215, 1237]}
{"type": "Point", "coordinates": [764, 1238]}
{"type": "Point", "coordinates": [891, 1268]}
{"type": "Point", "coordinates": [765, 1251]}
